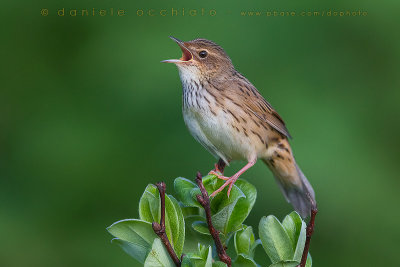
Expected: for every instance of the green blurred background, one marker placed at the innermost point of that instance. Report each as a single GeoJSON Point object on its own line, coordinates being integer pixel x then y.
{"type": "Point", "coordinates": [89, 117]}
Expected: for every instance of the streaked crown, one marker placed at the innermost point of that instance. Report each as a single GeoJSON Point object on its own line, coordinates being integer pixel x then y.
{"type": "Point", "coordinates": [208, 57]}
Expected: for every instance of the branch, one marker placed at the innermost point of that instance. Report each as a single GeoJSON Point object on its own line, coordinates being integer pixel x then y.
{"type": "Point", "coordinates": [310, 230]}
{"type": "Point", "coordinates": [159, 228]}
{"type": "Point", "coordinates": [204, 200]}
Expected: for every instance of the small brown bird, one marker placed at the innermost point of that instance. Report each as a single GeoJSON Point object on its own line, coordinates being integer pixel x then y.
{"type": "Point", "coordinates": [228, 116]}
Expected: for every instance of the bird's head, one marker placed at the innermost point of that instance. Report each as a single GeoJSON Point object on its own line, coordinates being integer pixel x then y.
{"type": "Point", "coordinates": [201, 57]}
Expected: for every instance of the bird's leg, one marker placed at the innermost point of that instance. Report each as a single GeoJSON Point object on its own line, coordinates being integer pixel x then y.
{"type": "Point", "coordinates": [231, 180]}
{"type": "Point", "coordinates": [219, 166]}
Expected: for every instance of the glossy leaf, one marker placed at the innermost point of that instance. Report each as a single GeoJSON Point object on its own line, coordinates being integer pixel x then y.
{"type": "Point", "coordinates": [229, 213]}
{"type": "Point", "coordinates": [193, 237]}
{"type": "Point", "coordinates": [243, 241]}
{"type": "Point", "coordinates": [135, 251]}
{"type": "Point", "coordinates": [243, 260]}
{"type": "Point", "coordinates": [201, 227]}
{"type": "Point", "coordinates": [207, 256]}
{"type": "Point", "coordinates": [150, 211]}
{"type": "Point", "coordinates": [134, 236]}
{"type": "Point", "coordinates": [158, 256]}
{"type": "Point", "coordinates": [296, 229]}
{"type": "Point", "coordinates": [301, 241]}
{"type": "Point", "coordinates": [177, 224]}
{"type": "Point", "coordinates": [201, 258]}
{"type": "Point", "coordinates": [293, 225]}
{"type": "Point", "coordinates": [190, 211]}
{"type": "Point", "coordinates": [186, 192]}
{"type": "Point", "coordinates": [149, 204]}
{"type": "Point", "coordinates": [275, 240]}
{"type": "Point", "coordinates": [243, 206]}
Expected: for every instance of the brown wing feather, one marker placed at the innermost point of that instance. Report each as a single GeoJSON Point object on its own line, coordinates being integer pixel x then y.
{"type": "Point", "coordinates": [256, 104]}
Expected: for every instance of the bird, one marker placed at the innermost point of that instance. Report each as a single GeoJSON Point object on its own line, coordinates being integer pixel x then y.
{"type": "Point", "coordinates": [226, 114]}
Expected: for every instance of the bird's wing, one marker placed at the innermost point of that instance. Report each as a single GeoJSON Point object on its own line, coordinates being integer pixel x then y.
{"type": "Point", "coordinates": [256, 104]}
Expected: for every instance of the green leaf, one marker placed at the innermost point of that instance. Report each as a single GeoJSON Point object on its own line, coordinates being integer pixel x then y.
{"type": "Point", "coordinates": [230, 213]}
{"type": "Point", "coordinates": [150, 211]}
{"type": "Point", "coordinates": [202, 258]}
{"type": "Point", "coordinates": [193, 237]}
{"type": "Point", "coordinates": [275, 240]}
{"type": "Point", "coordinates": [301, 241]}
{"type": "Point", "coordinates": [243, 206]}
{"type": "Point", "coordinates": [243, 241]}
{"type": "Point", "coordinates": [186, 262]}
{"type": "Point", "coordinates": [137, 252]}
{"type": "Point", "coordinates": [285, 264]}
{"type": "Point", "coordinates": [209, 258]}
{"type": "Point", "coordinates": [296, 229]}
{"type": "Point", "coordinates": [244, 261]}
{"type": "Point", "coordinates": [176, 223]}
{"type": "Point", "coordinates": [293, 224]}
{"type": "Point", "coordinates": [249, 191]}
{"type": "Point", "coordinates": [190, 211]}
{"type": "Point", "coordinates": [201, 227]}
{"type": "Point", "coordinates": [187, 191]}
{"type": "Point", "coordinates": [220, 219]}
{"type": "Point", "coordinates": [219, 264]}
{"type": "Point", "coordinates": [309, 260]}
{"type": "Point", "coordinates": [192, 260]}
{"type": "Point", "coordinates": [158, 256]}
{"type": "Point", "coordinates": [149, 205]}
{"type": "Point", "coordinates": [134, 236]}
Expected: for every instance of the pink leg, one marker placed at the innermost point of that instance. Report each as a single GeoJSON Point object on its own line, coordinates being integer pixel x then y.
{"type": "Point", "coordinates": [231, 180]}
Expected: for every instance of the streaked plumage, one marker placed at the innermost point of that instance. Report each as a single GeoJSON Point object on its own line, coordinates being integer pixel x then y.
{"type": "Point", "coordinates": [229, 117]}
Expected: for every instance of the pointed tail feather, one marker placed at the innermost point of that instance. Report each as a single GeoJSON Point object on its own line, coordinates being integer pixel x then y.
{"type": "Point", "coordinates": [296, 189]}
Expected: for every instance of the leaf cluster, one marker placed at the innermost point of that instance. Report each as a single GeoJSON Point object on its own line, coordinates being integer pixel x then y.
{"type": "Point", "coordinates": [187, 230]}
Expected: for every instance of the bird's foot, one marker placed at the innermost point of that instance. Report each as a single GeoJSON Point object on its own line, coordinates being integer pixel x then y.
{"type": "Point", "coordinates": [218, 174]}
{"type": "Point", "coordinates": [216, 170]}
{"type": "Point", "coordinates": [229, 181]}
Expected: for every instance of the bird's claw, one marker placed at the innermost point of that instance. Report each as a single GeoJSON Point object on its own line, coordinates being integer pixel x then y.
{"type": "Point", "coordinates": [219, 175]}
{"type": "Point", "coordinates": [229, 181]}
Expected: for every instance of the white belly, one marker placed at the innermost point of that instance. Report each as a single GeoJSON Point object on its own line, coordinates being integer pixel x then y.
{"type": "Point", "coordinates": [216, 134]}
{"type": "Point", "coordinates": [213, 131]}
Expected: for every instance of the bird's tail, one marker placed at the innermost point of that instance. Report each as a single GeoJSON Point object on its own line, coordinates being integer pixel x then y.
{"type": "Point", "coordinates": [294, 184]}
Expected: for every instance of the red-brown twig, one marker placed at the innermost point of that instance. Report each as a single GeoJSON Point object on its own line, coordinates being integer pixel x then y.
{"type": "Point", "coordinates": [310, 230]}
{"type": "Point", "coordinates": [204, 200]}
{"type": "Point", "coordinates": [159, 228]}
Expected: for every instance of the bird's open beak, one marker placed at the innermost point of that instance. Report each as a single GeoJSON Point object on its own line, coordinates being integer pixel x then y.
{"type": "Point", "coordinates": [186, 54]}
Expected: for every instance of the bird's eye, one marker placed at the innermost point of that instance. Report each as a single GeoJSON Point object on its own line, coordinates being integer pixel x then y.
{"type": "Point", "coordinates": [203, 54]}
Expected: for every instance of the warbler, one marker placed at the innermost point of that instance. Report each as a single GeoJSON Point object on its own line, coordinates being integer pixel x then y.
{"type": "Point", "coordinates": [227, 115]}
